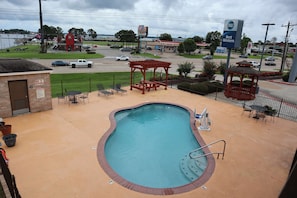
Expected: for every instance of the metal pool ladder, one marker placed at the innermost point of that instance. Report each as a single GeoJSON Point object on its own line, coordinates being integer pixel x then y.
{"type": "Point", "coordinates": [211, 153]}
{"type": "Point", "coordinates": [194, 166]}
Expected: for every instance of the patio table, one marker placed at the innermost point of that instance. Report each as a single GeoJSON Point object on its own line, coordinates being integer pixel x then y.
{"type": "Point", "coordinates": [74, 94]}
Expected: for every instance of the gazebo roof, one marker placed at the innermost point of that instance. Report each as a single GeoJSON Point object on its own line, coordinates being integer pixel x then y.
{"type": "Point", "coordinates": [20, 65]}
{"type": "Point", "coordinates": [244, 67]}
{"type": "Point", "coordinates": [244, 63]}
{"type": "Point", "coordinates": [146, 64]}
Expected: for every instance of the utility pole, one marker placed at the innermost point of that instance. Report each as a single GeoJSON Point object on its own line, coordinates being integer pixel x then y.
{"type": "Point", "coordinates": [267, 26]}
{"type": "Point", "coordinates": [285, 50]}
{"type": "Point", "coordinates": [42, 46]}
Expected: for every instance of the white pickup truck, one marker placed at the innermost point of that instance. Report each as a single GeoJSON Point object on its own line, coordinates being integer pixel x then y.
{"type": "Point", "coordinates": [81, 62]}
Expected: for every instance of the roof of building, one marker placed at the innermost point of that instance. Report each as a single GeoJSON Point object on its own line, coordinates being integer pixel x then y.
{"type": "Point", "coordinates": [20, 65]}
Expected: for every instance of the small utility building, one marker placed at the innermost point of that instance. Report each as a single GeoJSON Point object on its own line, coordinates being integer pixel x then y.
{"type": "Point", "coordinates": [24, 87]}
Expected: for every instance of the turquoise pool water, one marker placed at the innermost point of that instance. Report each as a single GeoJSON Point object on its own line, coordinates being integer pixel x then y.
{"type": "Point", "coordinates": [148, 143]}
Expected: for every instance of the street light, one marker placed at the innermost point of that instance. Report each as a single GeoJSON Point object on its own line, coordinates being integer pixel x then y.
{"type": "Point", "coordinates": [267, 26]}
{"type": "Point", "coordinates": [42, 46]}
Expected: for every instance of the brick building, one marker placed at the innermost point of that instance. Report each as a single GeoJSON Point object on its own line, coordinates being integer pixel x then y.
{"type": "Point", "coordinates": [24, 87]}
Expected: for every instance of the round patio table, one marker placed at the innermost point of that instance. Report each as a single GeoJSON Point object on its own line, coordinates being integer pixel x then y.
{"type": "Point", "coordinates": [73, 93]}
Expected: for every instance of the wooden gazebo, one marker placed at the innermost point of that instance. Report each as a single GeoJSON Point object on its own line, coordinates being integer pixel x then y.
{"type": "Point", "coordinates": [242, 82]}
{"type": "Point", "coordinates": [143, 66]}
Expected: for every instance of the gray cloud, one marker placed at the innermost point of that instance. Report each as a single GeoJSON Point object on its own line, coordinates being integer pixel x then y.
{"type": "Point", "coordinates": [183, 18]}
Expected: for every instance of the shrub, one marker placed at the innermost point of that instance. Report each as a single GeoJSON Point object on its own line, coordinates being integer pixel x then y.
{"type": "Point", "coordinates": [286, 77]}
{"type": "Point", "coordinates": [184, 86]}
{"type": "Point", "coordinates": [185, 68]}
{"type": "Point", "coordinates": [222, 68]}
{"type": "Point", "coordinates": [209, 69]}
{"type": "Point", "coordinates": [201, 88]}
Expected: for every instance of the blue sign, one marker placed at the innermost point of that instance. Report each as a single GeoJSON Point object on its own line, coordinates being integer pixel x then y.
{"type": "Point", "coordinates": [232, 33]}
{"type": "Point", "coordinates": [228, 39]}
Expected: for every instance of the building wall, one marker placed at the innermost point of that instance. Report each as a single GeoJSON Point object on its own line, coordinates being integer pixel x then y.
{"type": "Point", "coordinates": [39, 92]}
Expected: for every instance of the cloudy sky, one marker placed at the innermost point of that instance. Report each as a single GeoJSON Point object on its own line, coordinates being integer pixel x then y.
{"type": "Point", "coordinates": [180, 18]}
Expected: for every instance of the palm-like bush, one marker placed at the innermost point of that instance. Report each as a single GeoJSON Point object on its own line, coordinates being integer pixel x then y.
{"type": "Point", "coordinates": [185, 68]}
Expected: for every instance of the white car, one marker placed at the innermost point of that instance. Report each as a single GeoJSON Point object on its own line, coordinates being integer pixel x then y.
{"type": "Point", "coordinates": [122, 58]}
{"type": "Point", "coordinates": [255, 64]}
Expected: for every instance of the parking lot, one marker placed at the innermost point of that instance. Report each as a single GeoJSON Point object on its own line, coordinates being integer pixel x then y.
{"type": "Point", "coordinates": [109, 63]}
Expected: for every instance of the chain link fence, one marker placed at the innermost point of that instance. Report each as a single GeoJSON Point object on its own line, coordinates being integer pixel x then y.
{"type": "Point", "coordinates": [285, 108]}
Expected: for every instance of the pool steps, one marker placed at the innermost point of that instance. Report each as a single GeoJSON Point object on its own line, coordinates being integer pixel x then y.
{"type": "Point", "coordinates": [194, 163]}
{"type": "Point", "coordinates": [193, 168]}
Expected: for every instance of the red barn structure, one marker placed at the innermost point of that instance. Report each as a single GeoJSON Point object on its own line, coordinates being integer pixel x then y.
{"type": "Point", "coordinates": [69, 41]}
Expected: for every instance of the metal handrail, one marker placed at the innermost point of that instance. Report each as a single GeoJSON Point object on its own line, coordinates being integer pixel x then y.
{"type": "Point", "coordinates": [206, 154]}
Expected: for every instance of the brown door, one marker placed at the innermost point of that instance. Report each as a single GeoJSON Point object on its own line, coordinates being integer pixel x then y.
{"type": "Point", "coordinates": [18, 91]}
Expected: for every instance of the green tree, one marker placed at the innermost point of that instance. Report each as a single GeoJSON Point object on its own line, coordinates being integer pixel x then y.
{"type": "Point", "coordinates": [214, 38]}
{"type": "Point", "coordinates": [181, 48]}
{"type": "Point", "coordinates": [198, 39]}
{"type": "Point", "coordinates": [77, 32]}
{"type": "Point", "coordinates": [185, 68]}
{"type": "Point", "coordinates": [243, 43]}
{"type": "Point", "coordinates": [50, 31]}
{"type": "Point", "coordinates": [92, 33]}
{"type": "Point", "coordinates": [126, 36]}
{"type": "Point", "coordinates": [165, 37]}
{"type": "Point", "coordinates": [190, 45]}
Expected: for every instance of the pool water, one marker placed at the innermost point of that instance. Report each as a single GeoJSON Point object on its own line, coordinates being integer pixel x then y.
{"type": "Point", "coordinates": [148, 143]}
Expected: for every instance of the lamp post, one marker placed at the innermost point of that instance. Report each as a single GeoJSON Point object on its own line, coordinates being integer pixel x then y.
{"type": "Point", "coordinates": [267, 26]}
{"type": "Point", "coordinates": [42, 46]}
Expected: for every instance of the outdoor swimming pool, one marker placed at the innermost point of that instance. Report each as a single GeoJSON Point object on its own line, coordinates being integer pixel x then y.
{"type": "Point", "coordinates": [146, 144]}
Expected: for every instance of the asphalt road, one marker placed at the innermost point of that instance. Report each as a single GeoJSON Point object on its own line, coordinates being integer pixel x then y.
{"type": "Point", "coordinates": [109, 64]}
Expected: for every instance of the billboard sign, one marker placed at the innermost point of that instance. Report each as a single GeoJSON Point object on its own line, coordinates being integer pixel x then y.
{"type": "Point", "coordinates": [142, 31]}
{"type": "Point", "coordinates": [232, 33]}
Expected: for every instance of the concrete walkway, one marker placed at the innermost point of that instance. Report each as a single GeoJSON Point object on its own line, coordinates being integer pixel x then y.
{"type": "Point", "coordinates": [56, 151]}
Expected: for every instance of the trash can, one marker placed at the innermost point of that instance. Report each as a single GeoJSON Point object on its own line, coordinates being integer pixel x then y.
{"type": "Point", "coordinates": [9, 139]}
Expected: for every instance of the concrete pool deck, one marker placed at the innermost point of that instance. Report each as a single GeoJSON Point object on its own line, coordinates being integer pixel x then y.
{"type": "Point", "coordinates": [55, 154]}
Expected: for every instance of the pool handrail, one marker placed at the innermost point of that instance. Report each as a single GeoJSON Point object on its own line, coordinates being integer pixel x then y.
{"type": "Point", "coordinates": [211, 153]}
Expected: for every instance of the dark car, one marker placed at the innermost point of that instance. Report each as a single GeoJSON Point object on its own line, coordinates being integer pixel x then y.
{"type": "Point", "coordinates": [126, 49]}
{"type": "Point", "coordinates": [243, 56]}
{"type": "Point", "coordinates": [60, 63]}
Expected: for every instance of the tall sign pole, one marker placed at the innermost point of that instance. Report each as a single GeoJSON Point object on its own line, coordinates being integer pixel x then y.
{"type": "Point", "coordinates": [231, 39]}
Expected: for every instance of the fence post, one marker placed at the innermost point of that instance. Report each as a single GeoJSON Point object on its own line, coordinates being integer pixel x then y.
{"type": "Point", "coordinates": [280, 107]}
{"type": "Point", "coordinates": [62, 88]}
{"type": "Point", "coordinates": [90, 84]}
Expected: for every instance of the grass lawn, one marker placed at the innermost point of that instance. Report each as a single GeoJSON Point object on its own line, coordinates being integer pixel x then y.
{"type": "Point", "coordinates": [87, 82]}
{"type": "Point", "coordinates": [32, 51]}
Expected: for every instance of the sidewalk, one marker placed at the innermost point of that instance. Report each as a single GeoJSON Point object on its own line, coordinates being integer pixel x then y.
{"type": "Point", "coordinates": [280, 89]}
{"type": "Point", "coordinates": [276, 88]}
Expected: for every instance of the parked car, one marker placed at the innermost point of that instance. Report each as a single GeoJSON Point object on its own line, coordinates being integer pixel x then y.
{"type": "Point", "coordinates": [269, 58]}
{"type": "Point", "coordinates": [122, 58]}
{"type": "Point", "coordinates": [207, 57]}
{"type": "Point", "coordinates": [270, 63]}
{"type": "Point", "coordinates": [60, 63]}
{"type": "Point", "coordinates": [243, 56]}
{"type": "Point", "coordinates": [255, 64]}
